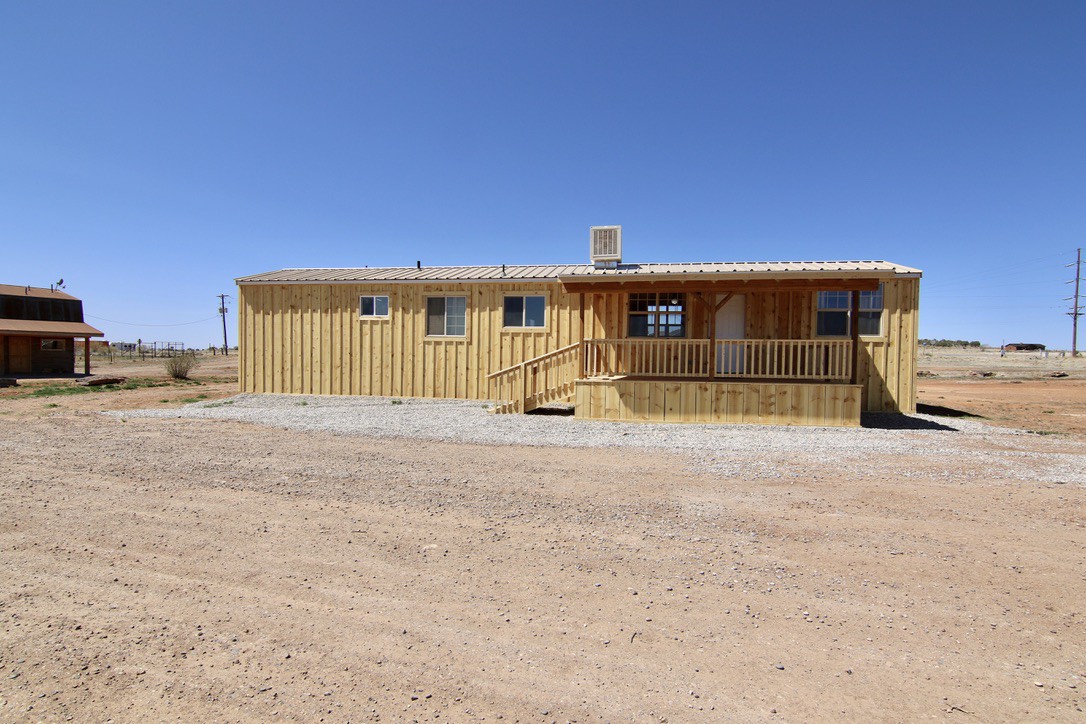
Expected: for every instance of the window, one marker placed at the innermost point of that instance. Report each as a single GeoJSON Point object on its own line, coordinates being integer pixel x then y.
{"type": "Point", "coordinates": [657, 315]}
{"type": "Point", "coordinates": [446, 316]}
{"type": "Point", "coordinates": [372, 306]}
{"type": "Point", "coordinates": [525, 311]}
{"type": "Point", "coordinates": [834, 309]}
{"type": "Point", "coordinates": [871, 312]}
{"type": "Point", "coordinates": [52, 344]}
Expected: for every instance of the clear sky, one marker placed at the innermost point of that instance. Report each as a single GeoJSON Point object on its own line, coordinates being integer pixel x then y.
{"type": "Point", "coordinates": [151, 152]}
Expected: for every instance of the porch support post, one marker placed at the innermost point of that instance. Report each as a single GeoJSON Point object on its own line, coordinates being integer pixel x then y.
{"type": "Point", "coordinates": [710, 314]}
{"type": "Point", "coordinates": [712, 342]}
{"type": "Point", "coordinates": [86, 355]}
{"type": "Point", "coordinates": [854, 332]}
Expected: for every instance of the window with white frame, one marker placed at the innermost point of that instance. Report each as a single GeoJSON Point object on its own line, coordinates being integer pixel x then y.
{"type": "Point", "coordinates": [524, 311]}
{"type": "Point", "coordinates": [372, 306]}
{"type": "Point", "coordinates": [871, 312]}
{"type": "Point", "coordinates": [446, 316]}
{"type": "Point", "coordinates": [834, 309]}
{"type": "Point", "coordinates": [657, 314]}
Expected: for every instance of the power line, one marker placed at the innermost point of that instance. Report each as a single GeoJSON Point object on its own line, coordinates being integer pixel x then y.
{"type": "Point", "coordinates": [996, 271]}
{"type": "Point", "coordinates": [142, 324]}
{"type": "Point", "coordinates": [1036, 304]}
{"type": "Point", "coordinates": [994, 285]}
{"type": "Point", "coordinates": [1018, 278]}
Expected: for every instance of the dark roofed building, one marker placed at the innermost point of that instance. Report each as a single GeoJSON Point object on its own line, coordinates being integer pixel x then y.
{"type": "Point", "coordinates": [38, 331]}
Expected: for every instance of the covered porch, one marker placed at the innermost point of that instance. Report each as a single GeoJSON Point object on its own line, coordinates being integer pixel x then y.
{"type": "Point", "coordinates": [786, 382]}
{"type": "Point", "coordinates": [688, 349]}
{"type": "Point", "coordinates": [727, 348]}
{"type": "Point", "coordinates": [724, 328]}
{"type": "Point", "coordinates": [47, 349]}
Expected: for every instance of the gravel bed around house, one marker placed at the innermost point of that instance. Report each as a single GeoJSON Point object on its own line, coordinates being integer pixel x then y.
{"type": "Point", "coordinates": [772, 451]}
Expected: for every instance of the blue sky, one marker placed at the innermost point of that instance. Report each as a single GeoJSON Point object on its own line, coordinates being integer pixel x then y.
{"type": "Point", "coordinates": [151, 152]}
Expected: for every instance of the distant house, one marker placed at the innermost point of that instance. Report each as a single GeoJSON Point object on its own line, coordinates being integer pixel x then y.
{"type": "Point", "coordinates": [798, 343]}
{"type": "Point", "coordinates": [38, 331]}
{"type": "Point", "coordinates": [1023, 347]}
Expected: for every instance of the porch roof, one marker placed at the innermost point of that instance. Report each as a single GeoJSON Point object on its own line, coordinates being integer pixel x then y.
{"type": "Point", "coordinates": [705, 271]}
{"type": "Point", "coordinates": [46, 328]}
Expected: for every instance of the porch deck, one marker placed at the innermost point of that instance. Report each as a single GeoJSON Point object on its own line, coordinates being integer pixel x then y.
{"type": "Point", "coordinates": [718, 401]}
{"type": "Point", "coordinates": [769, 381]}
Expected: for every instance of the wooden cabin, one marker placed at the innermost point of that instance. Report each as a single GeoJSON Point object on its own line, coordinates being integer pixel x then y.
{"type": "Point", "coordinates": [797, 343]}
{"type": "Point", "coordinates": [38, 331]}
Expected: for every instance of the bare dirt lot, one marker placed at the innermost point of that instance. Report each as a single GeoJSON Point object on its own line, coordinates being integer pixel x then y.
{"type": "Point", "coordinates": [1017, 390]}
{"type": "Point", "coordinates": [204, 569]}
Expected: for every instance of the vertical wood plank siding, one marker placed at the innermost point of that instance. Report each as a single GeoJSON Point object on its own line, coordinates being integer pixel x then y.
{"type": "Point", "coordinates": [309, 339]}
{"type": "Point", "coordinates": [887, 364]}
{"type": "Point", "coordinates": [781, 315]}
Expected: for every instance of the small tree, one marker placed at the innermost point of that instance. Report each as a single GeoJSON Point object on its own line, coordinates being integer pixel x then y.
{"type": "Point", "coordinates": [180, 366]}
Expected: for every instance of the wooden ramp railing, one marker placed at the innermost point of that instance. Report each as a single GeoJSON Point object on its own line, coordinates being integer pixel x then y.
{"type": "Point", "coordinates": [547, 378]}
{"type": "Point", "coordinates": [787, 359]}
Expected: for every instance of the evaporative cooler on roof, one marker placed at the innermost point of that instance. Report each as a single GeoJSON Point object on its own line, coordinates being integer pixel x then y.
{"type": "Point", "coordinates": [605, 245]}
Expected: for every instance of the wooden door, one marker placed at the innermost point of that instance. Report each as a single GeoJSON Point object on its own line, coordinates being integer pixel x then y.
{"type": "Point", "coordinates": [731, 324]}
{"type": "Point", "coordinates": [19, 355]}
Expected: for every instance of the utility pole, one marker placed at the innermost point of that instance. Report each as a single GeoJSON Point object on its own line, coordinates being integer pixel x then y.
{"type": "Point", "coordinates": [1076, 309]}
{"type": "Point", "coordinates": [222, 310]}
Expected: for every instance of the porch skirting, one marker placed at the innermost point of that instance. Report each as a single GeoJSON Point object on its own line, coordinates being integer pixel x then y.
{"type": "Point", "coordinates": [767, 403]}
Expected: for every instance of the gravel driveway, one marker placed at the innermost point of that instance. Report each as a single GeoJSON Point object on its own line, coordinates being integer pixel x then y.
{"type": "Point", "coordinates": [888, 444]}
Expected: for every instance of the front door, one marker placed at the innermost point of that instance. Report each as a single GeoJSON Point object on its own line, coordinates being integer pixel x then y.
{"type": "Point", "coordinates": [18, 355]}
{"type": "Point", "coordinates": [731, 324]}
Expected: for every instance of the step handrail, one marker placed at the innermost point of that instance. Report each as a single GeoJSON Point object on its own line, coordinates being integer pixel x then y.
{"type": "Point", "coordinates": [533, 360]}
{"type": "Point", "coordinates": [517, 388]}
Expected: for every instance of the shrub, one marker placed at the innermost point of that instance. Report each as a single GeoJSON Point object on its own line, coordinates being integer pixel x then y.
{"type": "Point", "coordinates": [180, 366]}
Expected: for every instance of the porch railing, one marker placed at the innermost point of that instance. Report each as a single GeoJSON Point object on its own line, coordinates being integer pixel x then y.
{"type": "Point", "coordinates": [791, 359]}
{"type": "Point", "coordinates": [646, 357]}
{"type": "Point", "coordinates": [547, 378]}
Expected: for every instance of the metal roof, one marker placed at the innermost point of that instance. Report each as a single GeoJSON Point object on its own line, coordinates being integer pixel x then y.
{"type": "Point", "coordinates": [47, 329]}
{"type": "Point", "coordinates": [498, 273]}
{"type": "Point", "coordinates": [432, 273]}
{"type": "Point", "coordinates": [35, 292]}
{"type": "Point", "coordinates": [754, 268]}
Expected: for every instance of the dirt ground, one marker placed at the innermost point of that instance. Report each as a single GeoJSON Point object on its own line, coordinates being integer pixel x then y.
{"type": "Point", "coordinates": [1020, 391]}
{"type": "Point", "coordinates": [213, 570]}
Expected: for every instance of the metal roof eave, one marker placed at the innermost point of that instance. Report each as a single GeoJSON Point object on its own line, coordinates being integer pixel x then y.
{"type": "Point", "coordinates": [883, 274]}
{"type": "Point", "coordinates": [377, 281]}
{"type": "Point", "coordinates": [570, 273]}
